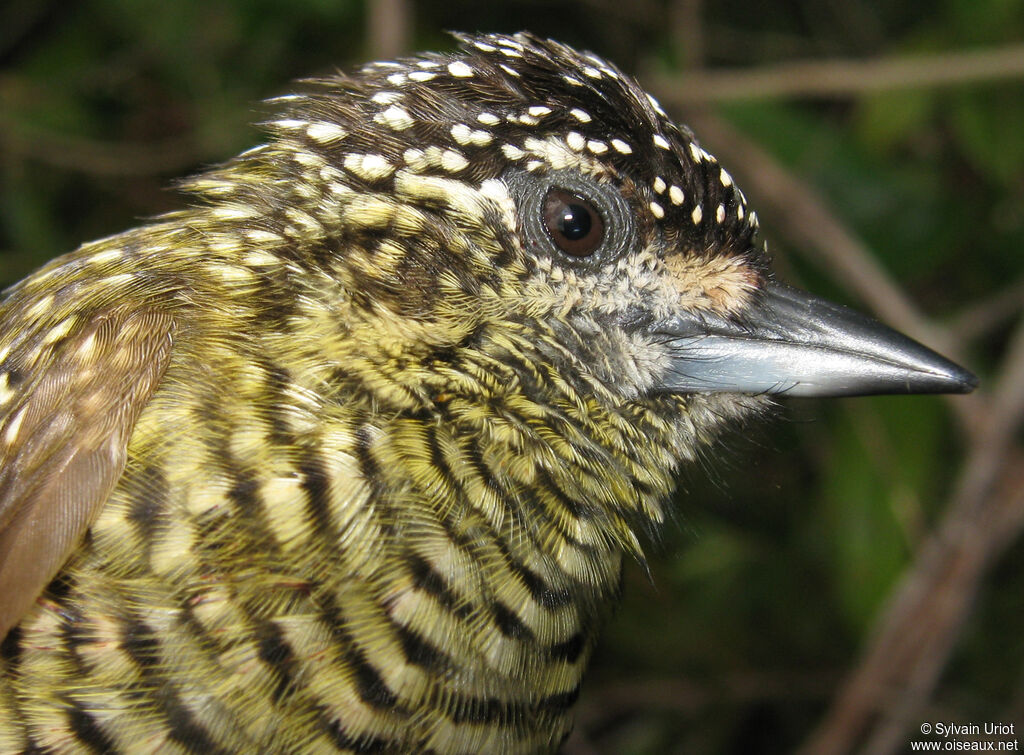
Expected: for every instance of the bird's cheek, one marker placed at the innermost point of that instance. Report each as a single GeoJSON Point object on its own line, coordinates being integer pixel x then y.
{"type": "Point", "coordinates": [723, 285]}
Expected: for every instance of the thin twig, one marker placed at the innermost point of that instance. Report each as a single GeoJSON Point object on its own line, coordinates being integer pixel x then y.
{"type": "Point", "coordinates": [992, 311]}
{"type": "Point", "coordinates": [688, 32]}
{"type": "Point", "coordinates": [389, 28]}
{"type": "Point", "coordinates": [830, 78]}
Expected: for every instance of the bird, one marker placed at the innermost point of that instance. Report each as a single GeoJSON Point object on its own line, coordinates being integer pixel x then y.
{"type": "Point", "coordinates": [347, 454]}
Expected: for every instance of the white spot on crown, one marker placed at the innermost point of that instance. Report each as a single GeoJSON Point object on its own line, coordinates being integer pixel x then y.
{"type": "Point", "coordinates": [553, 152]}
{"type": "Point", "coordinates": [656, 105]}
{"type": "Point", "coordinates": [325, 132]}
{"type": "Point", "coordinates": [415, 158]}
{"type": "Point", "coordinates": [460, 70]}
{"type": "Point", "coordinates": [453, 161]}
{"type": "Point", "coordinates": [395, 118]}
{"type": "Point", "coordinates": [290, 124]}
{"type": "Point", "coordinates": [512, 152]}
{"type": "Point", "coordinates": [386, 98]}
{"type": "Point", "coordinates": [369, 167]}
{"type": "Point", "coordinates": [464, 135]}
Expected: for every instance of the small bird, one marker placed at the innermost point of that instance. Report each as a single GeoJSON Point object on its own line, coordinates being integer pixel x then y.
{"type": "Point", "coordinates": [347, 455]}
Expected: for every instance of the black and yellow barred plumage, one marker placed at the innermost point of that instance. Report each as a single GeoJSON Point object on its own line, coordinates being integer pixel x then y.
{"type": "Point", "coordinates": [346, 455]}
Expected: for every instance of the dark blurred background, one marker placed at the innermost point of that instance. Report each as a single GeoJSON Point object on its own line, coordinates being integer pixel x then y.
{"type": "Point", "coordinates": [840, 576]}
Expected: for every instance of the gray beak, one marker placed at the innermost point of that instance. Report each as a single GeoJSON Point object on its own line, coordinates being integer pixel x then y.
{"type": "Point", "coordinates": [797, 344]}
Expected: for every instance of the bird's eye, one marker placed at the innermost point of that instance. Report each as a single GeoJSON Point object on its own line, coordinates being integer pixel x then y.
{"type": "Point", "coordinates": [573, 223]}
{"type": "Point", "coordinates": [571, 218]}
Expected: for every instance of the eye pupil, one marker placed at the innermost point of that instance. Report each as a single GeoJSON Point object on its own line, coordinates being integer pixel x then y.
{"type": "Point", "coordinates": [573, 223]}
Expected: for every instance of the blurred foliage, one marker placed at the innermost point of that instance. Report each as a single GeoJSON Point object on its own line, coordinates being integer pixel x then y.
{"type": "Point", "coordinates": [762, 593]}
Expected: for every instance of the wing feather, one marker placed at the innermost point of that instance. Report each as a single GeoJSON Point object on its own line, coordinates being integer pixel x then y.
{"type": "Point", "coordinates": [70, 409]}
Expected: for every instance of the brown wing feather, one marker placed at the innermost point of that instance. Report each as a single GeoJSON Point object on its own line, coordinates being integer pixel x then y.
{"type": "Point", "coordinates": [63, 442]}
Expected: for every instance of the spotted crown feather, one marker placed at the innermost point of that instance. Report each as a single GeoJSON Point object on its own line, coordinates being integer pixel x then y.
{"type": "Point", "coordinates": [506, 101]}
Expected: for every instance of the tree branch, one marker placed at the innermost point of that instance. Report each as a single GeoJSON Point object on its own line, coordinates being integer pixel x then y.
{"type": "Point", "coordinates": [831, 78]}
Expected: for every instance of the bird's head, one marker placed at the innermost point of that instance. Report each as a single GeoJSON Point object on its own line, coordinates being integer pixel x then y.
{"type": "Point", "coordinates": [508, 256]}
{"type": "Point", "coordinates": [525, 194]}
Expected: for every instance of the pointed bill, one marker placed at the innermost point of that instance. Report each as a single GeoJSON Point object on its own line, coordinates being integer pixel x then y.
{"type": "Point", "coordinates": [794, 343]}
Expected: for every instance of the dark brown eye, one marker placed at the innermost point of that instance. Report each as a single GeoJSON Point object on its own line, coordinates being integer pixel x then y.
{"type": "Point", "coordinates": [573, 223]}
